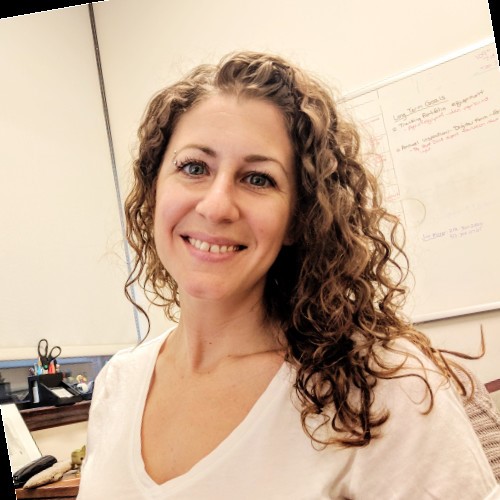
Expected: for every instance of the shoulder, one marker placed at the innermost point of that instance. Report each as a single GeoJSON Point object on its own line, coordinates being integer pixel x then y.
{"type": "Point", "coordinates": [127, 373]}
{"type": "Point", "coordinates": [427, 430]}
{"type": "Point", "coordinates": [127, 365]}
{"type": "Point", "coordinates": [419, 393]}
{"type": "Point", "coordinates": [416, 381]}
{"type": "Point", "coordinates": [132, 356]}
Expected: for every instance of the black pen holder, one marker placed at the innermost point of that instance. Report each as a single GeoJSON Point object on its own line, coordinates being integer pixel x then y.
{"type": "Point", "coordinates": [50, 390]}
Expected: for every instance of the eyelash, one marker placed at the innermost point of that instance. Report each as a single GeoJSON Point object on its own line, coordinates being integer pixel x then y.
{"type": "Point", "coordinates": [268, 177]}
{"type": "Point", "coordinates": [188, 161]}
{"type": "Point", "coordinates": [181, 166]}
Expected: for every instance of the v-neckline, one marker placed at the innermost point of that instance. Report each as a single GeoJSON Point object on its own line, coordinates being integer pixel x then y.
{"type": "Point", "coordinates": [225, 446]}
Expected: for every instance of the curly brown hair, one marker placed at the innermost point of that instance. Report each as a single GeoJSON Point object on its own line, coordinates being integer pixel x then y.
{"type": "Point", "coordinates": [337, 291]}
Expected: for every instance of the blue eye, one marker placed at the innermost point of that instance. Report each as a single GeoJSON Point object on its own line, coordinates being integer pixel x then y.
{"type": "Point", "coordinates": [260, 180]}
{"type": "Point", "coordinates": [193, 167]}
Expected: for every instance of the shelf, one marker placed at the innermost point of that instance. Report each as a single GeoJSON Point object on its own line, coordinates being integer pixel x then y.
{"type": "Point", "coordinates": [44, 417]}
{"type": "Point", "coordinates": [66, 488]}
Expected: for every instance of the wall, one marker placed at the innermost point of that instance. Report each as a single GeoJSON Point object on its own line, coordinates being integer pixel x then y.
{"type": "Point", "coordinates": [61, 441]}
{"type": "Point", "coordinates": [59, 206]}
{"type": "Point", "coordinates": [146, 44]}
{"type": "Point", "coordinates": [62, 252]}
{"type": "Point", "coordinates": [350, 45]}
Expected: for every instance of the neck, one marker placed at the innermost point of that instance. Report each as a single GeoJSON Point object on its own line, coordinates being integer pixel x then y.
{"type": "Point", "coordinates": [213, 333]}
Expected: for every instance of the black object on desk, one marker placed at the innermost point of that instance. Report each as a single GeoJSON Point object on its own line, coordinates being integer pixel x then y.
{"type": "Point", "coordinates": [50, 389]}
{"type": "Point", "coordinates": [5, 392]}
{"type": "Point", "coordinates": [21, 476]}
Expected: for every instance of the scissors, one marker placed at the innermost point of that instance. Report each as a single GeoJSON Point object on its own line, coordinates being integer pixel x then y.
{"type": "Point", "coordinates": [46, 356]}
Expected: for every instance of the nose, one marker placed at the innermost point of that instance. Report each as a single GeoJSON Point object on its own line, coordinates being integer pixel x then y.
{"type": "Point", "coordinates": [219, 201]}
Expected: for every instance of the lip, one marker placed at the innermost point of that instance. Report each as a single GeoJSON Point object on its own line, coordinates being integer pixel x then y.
{"type": "Point", "coordinates": [212, 240]}
{"type": "Point", "coordinates": [218, 241]}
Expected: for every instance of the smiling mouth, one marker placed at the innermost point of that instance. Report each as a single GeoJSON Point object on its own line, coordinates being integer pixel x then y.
{"type": "Point", "coordinates": [204, 246]}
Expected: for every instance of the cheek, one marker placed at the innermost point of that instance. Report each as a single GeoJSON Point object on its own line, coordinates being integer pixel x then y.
{"type": "Point", "coordinates": [171, 211]}
{"type": "Point", "coordinates": [163, 233]}
{"type": "Point", "coordinates": [273, 227]}
{"type": "Point", "coordinates": [163, 216]}
{"type": "Point", "coordinates": [168, 206]}
{"type": "Point", "coordinates": [158, 219]}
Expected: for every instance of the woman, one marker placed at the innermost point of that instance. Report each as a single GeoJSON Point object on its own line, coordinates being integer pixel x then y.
{"type": "Point", "coordinates": [291, 374]}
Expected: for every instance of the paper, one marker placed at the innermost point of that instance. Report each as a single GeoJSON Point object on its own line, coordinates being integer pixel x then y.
{"type": "Point", "coordinates": [20, 443]}
{"type": "Point", "coordinates": [61, 392]}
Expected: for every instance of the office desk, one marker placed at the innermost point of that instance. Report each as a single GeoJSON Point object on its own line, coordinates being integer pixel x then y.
{"type": "Point", "coordinates": [45, 417]}
{"type": "Point", "coordinates": [65, 489]}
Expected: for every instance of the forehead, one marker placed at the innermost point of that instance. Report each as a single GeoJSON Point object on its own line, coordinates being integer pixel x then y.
{"type": "Point", "coordinates": [228, 121]}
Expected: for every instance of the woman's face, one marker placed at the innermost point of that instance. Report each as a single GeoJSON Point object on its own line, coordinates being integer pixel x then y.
{"type": "Point", "coordinates": [225, 197]}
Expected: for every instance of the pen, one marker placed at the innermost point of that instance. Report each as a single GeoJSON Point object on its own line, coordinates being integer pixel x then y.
{"type": "Point", "coordinates": [39, 367]}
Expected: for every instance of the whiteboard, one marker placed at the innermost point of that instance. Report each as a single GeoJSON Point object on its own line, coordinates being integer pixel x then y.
{"type": "Point", "coordinates": [436, 135]}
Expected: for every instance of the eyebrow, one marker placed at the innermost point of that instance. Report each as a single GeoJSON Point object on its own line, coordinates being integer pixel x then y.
{"type": "Point", "coordinates": [251, 158]}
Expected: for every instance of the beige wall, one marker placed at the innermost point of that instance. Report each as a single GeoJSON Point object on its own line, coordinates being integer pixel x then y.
{"type": "Point", "coordinates": [147, 43]}
{"type": "Point", "coordinates": [62, 255]}
{"type": "Point", "coordinates": [61, 441]}
{"type": "Point", "coordinates": [59, 208]}
{"type": "Point", "coordinates": [350, 45]}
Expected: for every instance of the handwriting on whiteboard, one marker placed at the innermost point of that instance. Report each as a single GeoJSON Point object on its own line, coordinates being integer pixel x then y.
{"type": "Point", "coordinates": [433, 139]}
{"type": "Point", "coordinates": [425, 143]}
{"type": "Point", "coordinates": [453, 233]}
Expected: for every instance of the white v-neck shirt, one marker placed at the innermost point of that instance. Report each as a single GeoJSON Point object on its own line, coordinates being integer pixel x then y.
{"type": "Point", "coordinates": [269, 457]}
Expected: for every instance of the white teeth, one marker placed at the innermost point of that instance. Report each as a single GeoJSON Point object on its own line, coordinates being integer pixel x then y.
{"type": "Point", "coordinates": [206, 247]}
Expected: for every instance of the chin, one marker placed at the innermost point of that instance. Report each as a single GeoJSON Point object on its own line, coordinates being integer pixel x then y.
{"type": "Point", "coordinates": [219, 291]}
{"type": "Point", "coordinates": [205, 291]}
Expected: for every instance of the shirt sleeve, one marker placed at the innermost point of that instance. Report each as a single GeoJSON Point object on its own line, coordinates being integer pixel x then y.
{"type": "Point", "coordinates": [423, 455]}
{"type": "Point", "coordinates": [99, 396]}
